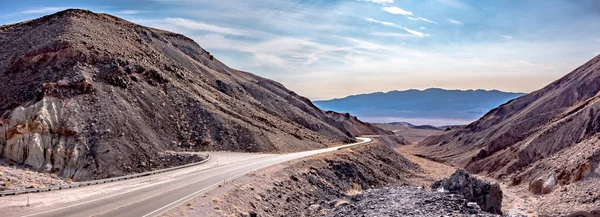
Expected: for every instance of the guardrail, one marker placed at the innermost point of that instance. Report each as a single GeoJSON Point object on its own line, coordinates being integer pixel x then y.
{"type": "Point", "coordinates": [99, 181]}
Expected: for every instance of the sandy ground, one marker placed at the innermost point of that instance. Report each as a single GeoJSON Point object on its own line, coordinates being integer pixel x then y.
{"type": "Point", "coordinates": [46, 200]}
{"type": "Point", "coordinates": [14, 176]}
{"type": "Point", "coordinates": [414, 136]}
{"type": "Point", "coordinates": [411, 134]}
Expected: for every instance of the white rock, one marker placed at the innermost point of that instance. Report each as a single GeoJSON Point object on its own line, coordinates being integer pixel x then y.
{"type": "Point", "coordinates": [35, 137]}
{"type": "Point", "coordinates": [35, 155]}
{"type": "Point", "coordinates": [473, 205]}
{"type": "Point", "coordinates": [442, 190]}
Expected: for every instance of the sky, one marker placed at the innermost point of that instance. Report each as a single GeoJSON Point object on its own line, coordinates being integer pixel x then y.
{"type": "Point", "coordinates": [327, 49]}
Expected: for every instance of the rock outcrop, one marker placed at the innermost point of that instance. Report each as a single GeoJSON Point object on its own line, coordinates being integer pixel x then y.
{"type": "Point", "coordinates": [305, 187]}
{"type": "Point", "coordinates": [44, 136]}
{"type": "Point", "coordinates": [357, 127]}
{"type": "Point", "coordinates": [487, 195]}
{"type": "Point", "coordinates": [543, 184]}
{"type": "Point", "coordinates": [88, 95]}
{"type": "Point", "coordinates": [406, 201]}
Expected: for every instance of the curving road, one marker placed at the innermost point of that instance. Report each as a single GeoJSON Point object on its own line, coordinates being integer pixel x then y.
{"type": "Point", "coordinates": [158, 198]}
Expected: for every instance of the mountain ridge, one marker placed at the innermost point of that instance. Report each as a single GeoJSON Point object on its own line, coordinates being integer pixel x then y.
{"type": "Point", "coordinates": [432, 103]}
{"type": "Point", "coordinates": [90, 95]}
{"type": "Point", "coordinates": [546, 140]}
{"type": "Point", "coordinates": [424, 90]}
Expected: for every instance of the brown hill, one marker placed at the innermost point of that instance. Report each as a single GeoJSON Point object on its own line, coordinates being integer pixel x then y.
{"type": "Point", "coordinates": [550, 134]}
{"type": "Point", "coordinates": [356, 126]}
{"type": "Point", "coordinates": [89, 95]}
{"type": "Point", "coordinates": [412, 133]}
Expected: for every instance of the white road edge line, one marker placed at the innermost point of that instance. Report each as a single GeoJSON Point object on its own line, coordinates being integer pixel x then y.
{"type": "Point", "coordinates": [72, 205]}
{"type": "Point", "coordinates": [193, 194]}
{"type": "Point", "coordinates": [365, 140]}
{"type": "Point", "coordinates": [78, 204]}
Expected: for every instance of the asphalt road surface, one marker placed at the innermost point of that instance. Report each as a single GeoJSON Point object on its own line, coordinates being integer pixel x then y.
{"type": "Point", "coordinates": [157, 199]}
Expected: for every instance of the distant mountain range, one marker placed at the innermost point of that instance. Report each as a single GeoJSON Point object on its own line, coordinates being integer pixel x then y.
{"type": "Point", "coordinates": [431, 106]}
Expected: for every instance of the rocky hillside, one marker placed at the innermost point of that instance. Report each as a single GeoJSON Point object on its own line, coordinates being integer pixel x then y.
{"type": "Point", "coordinates": [289, 189]}
{"type": "Point", "coordinates": [544, 139]}
{"type": "Point", "coordinates": [88, 95]}
{"type": "Point", "coordinates": [356, 126]}
{"type": "Point", "coordinates": [411, 133]}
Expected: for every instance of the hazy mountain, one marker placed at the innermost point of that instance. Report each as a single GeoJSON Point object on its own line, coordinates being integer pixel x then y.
{"type": "Point", "coordinates": [431, 103]}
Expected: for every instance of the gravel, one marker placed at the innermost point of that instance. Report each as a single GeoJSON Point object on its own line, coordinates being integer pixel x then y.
{"type": "Point", "coordinates": [406, 201]}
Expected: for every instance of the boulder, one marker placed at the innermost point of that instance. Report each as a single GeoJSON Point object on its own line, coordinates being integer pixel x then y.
{"type": "Point", "coordinates": [543, 184]}
{"type": "Point", "coordinates": [35, 155]}
{"type": "Point", "coordinates": [487, 195]}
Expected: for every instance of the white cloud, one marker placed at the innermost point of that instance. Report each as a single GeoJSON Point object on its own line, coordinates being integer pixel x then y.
{"type": "Point", "coordinates": [280, 52]}
{"type": "Point", "coordinates": [397, 10]}
{"type": "Point", "coordinates": [44, 10]}
{"type": "Point", "coordinates": [405, 66]}
{"type": "Point", "coordinates": [415, 32]}
{"type": "Point", "coordinates": [411, 31]}
{"type": "Point", "coordinates": [454, 3]}
{"type": "Point", "coordinates": [507, 37]}
{"type": "Point", "coordinates": [366, 45]}
{"type": "Point", "coordinates": [453, 21]}
{"type": "Point", "coordinates": [129, 12]}
{"type": "Point", "coordinates": [269, 59]}
{"type": "Point", "coordinates": [392, 34]}
{"type": "Point", "coordinates": [425, 19]}
{"type": "Point", "coordinates": [400, 11]}
{"type": "Point", "coordinates": [382, 2]}
{"type": "Point", "coordinates": [421, 19]}
{"type": "Point", "coordinates": [383, 23]}
{"type": "Point", "coordinates": [193, 25]}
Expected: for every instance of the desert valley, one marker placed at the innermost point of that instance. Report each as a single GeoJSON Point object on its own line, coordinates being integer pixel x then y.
{"type": "Point", "coordinates": [100, 116]}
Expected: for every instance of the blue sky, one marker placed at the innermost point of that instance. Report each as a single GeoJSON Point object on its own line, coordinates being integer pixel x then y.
{"type": "Point", "coordinates": [333, 48]}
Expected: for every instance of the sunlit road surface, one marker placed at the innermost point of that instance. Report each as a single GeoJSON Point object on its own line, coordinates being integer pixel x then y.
{"type": "Point", "coordinates": [159, 198]}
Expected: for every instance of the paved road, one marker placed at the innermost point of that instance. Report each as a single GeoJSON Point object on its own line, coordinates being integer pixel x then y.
{"type": "Point", "coordinates": [157, 199]}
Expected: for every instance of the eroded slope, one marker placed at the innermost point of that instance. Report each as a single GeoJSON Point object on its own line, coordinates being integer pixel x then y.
{"type": "Point", "coordinates": [544, 139]}
{"type": "Point", "coordinates": [90, 95]}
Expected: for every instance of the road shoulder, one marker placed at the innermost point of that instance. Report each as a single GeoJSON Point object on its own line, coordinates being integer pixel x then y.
{"type": "Point", "coordinates": [292, 187]}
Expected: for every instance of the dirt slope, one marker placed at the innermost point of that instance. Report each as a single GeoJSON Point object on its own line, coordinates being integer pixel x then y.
{"type": "Point", "coordinates": [549, 135]}
{"type": "Point", "coordinates": [413, 134]}
{"type": "Point", "coordinates": [89, 95]}
{"type": "Point", "coordinates": [290, 188]}
{"type": "Point", "coordinates": [355, 126]}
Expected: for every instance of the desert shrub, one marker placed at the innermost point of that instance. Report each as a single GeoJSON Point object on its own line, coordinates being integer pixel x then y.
{"type": "Point", "coordinates": [206, 143]}
{"type": "Point", "coordinates": [355, 190]}
{"type": "Point", "coordinates": [7, 184]}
